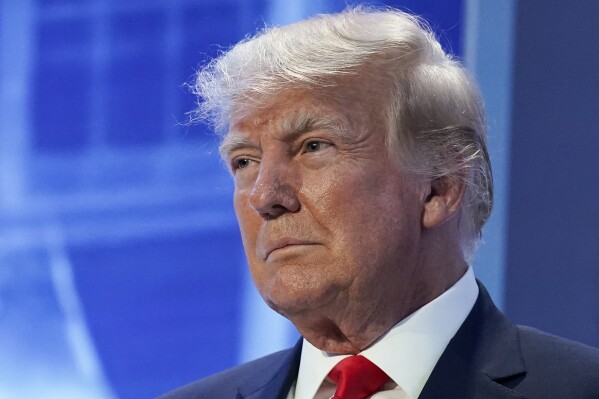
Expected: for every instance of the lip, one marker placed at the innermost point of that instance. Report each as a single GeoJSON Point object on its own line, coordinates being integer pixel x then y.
{"type": "Point", "coordinates": [281, 243]}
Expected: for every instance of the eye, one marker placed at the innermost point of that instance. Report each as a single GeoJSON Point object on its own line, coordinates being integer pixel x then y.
{"type": "Point", "coordinates": [315, 145]}
{"type": "Point", "coordinates": [241, 163]}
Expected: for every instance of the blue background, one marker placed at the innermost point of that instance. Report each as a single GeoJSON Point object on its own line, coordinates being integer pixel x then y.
{"type": "Point", "coordinates": [121, 268]}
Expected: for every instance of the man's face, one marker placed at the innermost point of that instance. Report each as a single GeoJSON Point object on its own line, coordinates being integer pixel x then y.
{"type": "Point", "coordinates": [326, 216]}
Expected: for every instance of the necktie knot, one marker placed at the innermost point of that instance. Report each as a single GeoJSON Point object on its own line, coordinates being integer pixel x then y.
{"type": "Point", "coordinates": [357, 378]}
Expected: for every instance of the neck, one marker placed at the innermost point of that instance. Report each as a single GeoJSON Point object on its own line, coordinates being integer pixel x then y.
{"type": "Point", "coordinates": [353, 327]}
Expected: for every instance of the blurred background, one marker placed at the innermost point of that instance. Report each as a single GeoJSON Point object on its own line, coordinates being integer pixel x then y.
{"type": "Point", "coordinates": [121, 269]}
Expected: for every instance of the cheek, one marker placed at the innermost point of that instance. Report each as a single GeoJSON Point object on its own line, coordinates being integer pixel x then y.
{"type": "Point", "coordinates": [365, 212]}
{"type": "Point", "coordinates": [249, 226]}
{"type": "Point", "coordinates": [350, 195]}
{"type": "Point", "coordinates": [247, 219]}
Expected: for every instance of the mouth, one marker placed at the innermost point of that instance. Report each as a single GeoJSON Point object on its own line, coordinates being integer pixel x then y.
{"type": "Point", "coordinates": [283, 245]}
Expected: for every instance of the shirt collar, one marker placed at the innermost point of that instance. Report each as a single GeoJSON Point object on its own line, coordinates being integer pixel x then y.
{"type": "Point", "coordinates": [409, 351]}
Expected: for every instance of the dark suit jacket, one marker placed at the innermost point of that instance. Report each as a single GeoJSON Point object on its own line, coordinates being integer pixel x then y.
{"type": "Point", "coordinates": [489, 358]}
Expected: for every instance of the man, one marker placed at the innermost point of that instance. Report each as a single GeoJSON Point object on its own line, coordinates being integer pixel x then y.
{"type": "Point", "coordinates": [362, 183]}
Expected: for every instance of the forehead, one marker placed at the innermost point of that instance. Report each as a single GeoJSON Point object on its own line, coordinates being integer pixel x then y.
{"type": "Point", "coordinates": [287, 114]}
{"type": "Point", "coordinates": [284, 107]}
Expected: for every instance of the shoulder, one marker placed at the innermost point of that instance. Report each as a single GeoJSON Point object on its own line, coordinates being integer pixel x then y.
{"type": "Point", "coordinates": [559, 365]}
{"type": "Point", "coordinates": [226, 384]}
{"type": "Point", "coordinates": [538, 343]}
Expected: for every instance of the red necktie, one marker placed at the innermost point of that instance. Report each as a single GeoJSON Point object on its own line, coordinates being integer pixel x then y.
{"type": "Point", "coordinates": [357, 378]}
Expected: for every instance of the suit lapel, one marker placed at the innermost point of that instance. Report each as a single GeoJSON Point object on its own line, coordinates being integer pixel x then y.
{"type": "Point", "coordinates": [276, 382]}
{"type": "Point", "coordinates": [481, 358]}
{"type": "Point", "coordinates": [453, 378]}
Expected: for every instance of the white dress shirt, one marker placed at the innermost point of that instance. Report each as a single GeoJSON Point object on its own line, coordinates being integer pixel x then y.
{"type": "Point", "coordinates": [408, 352]}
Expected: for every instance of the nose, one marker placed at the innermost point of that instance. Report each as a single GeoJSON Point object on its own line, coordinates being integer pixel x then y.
{"type": "Point", "coordinates": [274, 191]}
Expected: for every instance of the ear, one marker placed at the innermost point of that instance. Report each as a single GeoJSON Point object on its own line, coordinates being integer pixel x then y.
{"type": "Point", "coordinates": [443, 201]}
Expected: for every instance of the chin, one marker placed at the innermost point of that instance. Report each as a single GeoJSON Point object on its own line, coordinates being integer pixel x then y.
{"type": "Point", "coordinates": [291, 294]}
{"type": "Point", "coordinates": [290, 306]}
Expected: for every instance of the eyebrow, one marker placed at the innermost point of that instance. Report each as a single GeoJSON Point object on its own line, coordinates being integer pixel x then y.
{"type": "Point", "coordinates": [303, 121]}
